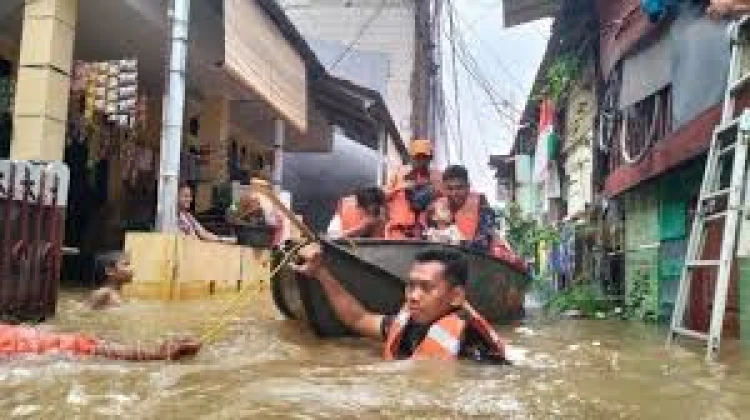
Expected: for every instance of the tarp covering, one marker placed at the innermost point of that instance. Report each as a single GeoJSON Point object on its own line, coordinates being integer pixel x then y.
{"type": "Point", "coordinates": [646, 72]}
{"type": "Point", "coordinates": [700, 63]}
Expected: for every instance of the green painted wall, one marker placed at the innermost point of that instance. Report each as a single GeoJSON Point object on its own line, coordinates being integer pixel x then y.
{"type": "Point", "coordinates": [744, 300]}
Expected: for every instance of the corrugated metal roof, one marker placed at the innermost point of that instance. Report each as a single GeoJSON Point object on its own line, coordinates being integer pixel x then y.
{"type": "Point", "coordinates": [516, 12]}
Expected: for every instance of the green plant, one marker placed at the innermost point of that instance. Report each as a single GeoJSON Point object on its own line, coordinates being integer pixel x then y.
{"type": "Point", "coordinates": [582, 297]}
{"type": "Point", "coordinates": [637, 303]}
{"type": "Point", "coordinates": [559, 75]}
{"type": "Point", "coordinates": [525, 234]}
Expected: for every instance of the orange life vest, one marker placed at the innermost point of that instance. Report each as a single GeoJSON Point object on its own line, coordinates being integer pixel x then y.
{"type": "Point", "coordinates": [17, 339]}
{"type": "Point", "coordinates": [401, 217]}
{"type": "Point", "coordinates": [467, 217]}
{"type": "Point", "coordinates": [352, 216]}
{"type": "Point", "coordinates": [444, 337]}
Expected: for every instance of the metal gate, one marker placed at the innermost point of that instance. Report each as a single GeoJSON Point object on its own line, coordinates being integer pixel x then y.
{"type": "Point", "coordinates": [33, 197]}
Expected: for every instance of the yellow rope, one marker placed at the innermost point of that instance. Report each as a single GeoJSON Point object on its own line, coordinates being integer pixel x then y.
{"type": "Point", "coordinates": [213, 332]}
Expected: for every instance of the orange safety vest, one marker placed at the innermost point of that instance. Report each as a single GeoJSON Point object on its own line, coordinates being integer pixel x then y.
{"type": "Point", "coordinates": [467, 217]}
{"type": "Point", "coordinates": [349, 213]}
{"type": "Point", "coordinates": [17, 339]}
{"type": "Point", "coordinates": [444, 338]}
{"type": "Point", "coordinates": [400, 215]}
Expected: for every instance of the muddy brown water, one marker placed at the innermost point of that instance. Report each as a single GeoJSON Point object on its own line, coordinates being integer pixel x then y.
{"type": "Point", "coordinates": [267, 368]}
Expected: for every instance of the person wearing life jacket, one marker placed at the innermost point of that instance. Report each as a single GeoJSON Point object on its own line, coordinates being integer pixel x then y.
{"type": "Point", "coordinates": [410, 191]}
{"type": "Point", "coordinates": [18, 340]}
{"type": "Point", "coordinates": [470, 211]}
{"type": "Point", "coordinates": [361, 215]}
{"type": "Point", "coordinates": [436, 321]}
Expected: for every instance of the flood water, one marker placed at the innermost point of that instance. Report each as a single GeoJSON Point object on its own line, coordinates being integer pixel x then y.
{"type": "Point", "coordinates": [266, 368]}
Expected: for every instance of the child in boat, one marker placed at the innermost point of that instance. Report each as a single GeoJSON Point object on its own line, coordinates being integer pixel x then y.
{"type": "Point", "coordinates": [441, 227]}
{"type": "Point", "coordinates": [116, 274]}
{"type": "Point", "coordinates": [16, 340]}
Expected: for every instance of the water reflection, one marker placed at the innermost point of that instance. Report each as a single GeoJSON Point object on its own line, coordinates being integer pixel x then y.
{"type": "Point", "coordinates": [267, 368]}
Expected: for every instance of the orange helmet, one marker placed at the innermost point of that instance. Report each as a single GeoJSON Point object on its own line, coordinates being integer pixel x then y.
{"type": "Point", "coordinates": [420, 147]}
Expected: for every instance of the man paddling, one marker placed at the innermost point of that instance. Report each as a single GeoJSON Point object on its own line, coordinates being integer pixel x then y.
{"type": "Point", "coordinates": [436, 321]}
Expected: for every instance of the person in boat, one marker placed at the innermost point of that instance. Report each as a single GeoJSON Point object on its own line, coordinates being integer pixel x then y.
{"type": "Point", "coordinates": [18, 340]}
{"type": "Point", "coordinates": [116, 273]}
{"type": "Point", "coordinates": [441, 227]}
{"type": "Point", "coordinates": [470, 211]}
{"type": "Point", "coordinates": [436, 321]}
{"type": "Point", "coordinates": [362, 215]}
{"type": "Point", "coordinates": [187, 224]}
{"type": "Point", "coordinates": [410, 191]}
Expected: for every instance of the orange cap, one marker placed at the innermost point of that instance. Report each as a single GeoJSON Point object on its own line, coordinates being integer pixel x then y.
{"type": "Point", "coordinates": [420, 147]}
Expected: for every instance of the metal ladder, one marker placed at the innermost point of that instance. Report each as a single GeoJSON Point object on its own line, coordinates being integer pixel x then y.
{"type": "Point", "coordinates": [722, 196]}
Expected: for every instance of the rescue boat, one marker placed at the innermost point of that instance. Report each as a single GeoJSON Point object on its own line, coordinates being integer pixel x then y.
{"type": "Point", "coordinates": [374, 271]}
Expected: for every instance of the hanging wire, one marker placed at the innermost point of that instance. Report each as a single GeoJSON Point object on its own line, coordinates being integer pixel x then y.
{"type": "Point", "coordinates": [358, 36]}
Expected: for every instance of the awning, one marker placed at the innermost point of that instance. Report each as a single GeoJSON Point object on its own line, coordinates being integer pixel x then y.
{"type": "Point", "coordinates": [517, 12]}
{"type": "Point", "coordinates": [257, 53]}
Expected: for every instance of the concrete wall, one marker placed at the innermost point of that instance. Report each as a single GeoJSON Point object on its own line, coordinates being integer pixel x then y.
{"type": "Point", "coordinates": [577, 143]}
{"type": "Point", "coordinates": [391, 33]}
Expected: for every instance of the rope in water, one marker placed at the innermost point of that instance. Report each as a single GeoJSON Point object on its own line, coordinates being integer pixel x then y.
{"type": "Point", "coordinates": [229, 311]}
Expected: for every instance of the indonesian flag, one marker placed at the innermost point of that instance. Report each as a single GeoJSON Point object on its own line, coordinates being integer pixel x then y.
{"type": "Point", "coordinates": [547, 143]}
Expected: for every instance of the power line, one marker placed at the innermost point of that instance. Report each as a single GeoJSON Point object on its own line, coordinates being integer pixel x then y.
{"type": "Point", "coordinates": [473, 67]}
{"type": "Point", "coordinates": [501, 64]}
{"type": "Point", "coordinates": [365, 26]}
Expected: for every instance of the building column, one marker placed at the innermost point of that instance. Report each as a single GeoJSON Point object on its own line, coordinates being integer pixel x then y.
{"type": "Point", "coordinates": [278, 154]}
{"type": "Point", "coordinates": [214, 132]}
{"type": "Point", "coordinates": [43, 86]}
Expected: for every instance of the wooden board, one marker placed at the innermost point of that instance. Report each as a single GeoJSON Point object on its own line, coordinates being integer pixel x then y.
{"type": "Point", "coordinates": [176, 267]}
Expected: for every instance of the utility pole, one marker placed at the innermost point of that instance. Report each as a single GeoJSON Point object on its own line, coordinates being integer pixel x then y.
{"type": "Point", "coordinates": [174, 105]}
{"type": "Point", "coordinates": [426, 83]}
{"type": "Point", "coordinates": [422, 65]}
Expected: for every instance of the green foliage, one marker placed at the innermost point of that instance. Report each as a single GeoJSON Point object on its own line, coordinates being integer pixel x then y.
{"type": "Point", "coordinates": [558, 77]}
{"type": "Point", "coordinates": [638, 299]}
{"type": "Point", "coordinates": [582, 297]}
{"type": "Point", "coordinates": [524, 233]}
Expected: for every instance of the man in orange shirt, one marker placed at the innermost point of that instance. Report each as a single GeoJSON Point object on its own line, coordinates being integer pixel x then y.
{"type": "Point", "coordinates": [361, 215]}
{"type": "Point", "coordinates": [410, 191]}
{"type": "Point", "coordinates": [470, 211]}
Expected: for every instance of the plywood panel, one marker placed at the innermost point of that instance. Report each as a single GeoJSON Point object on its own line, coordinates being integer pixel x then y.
{"type": "Point", "coordinates": [176, 267]}
{"type": "Point", "coordinates": [152, 256]}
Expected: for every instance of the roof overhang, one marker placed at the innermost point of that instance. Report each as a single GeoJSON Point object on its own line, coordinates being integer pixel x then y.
{"type": "Point", "coordinates": [356, 109]}
{"type": "Point", "coordinates": [517, 12]}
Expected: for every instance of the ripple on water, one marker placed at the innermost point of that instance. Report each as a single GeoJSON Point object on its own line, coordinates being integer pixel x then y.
{"type": "Point", "coordinates": [266, 368]}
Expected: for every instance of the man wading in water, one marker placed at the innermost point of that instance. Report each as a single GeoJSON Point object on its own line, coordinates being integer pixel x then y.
{"type": "Point", "coordinates": [436, 322]}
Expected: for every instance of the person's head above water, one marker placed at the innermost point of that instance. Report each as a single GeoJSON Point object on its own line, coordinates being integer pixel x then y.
{"type": "Point", "coordinates": [184, 196]}
{"type": "Point", "coordinates": [456, 185]}
{"type": "Point", "coordinates": [436, 285]}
